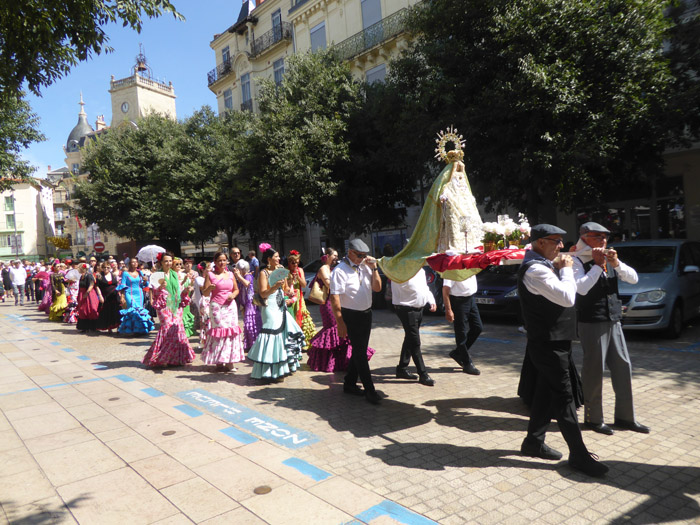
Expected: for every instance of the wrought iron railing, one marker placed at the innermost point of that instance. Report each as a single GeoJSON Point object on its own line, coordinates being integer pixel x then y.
{"type": "Point", "coordinates": [374, 35]}
{"type": "Point", "coordinates": [280, 32]}
{"type": "Point", "coordinates": [219, 72]}
{"type": "Point", "coordinates": [247, 105]}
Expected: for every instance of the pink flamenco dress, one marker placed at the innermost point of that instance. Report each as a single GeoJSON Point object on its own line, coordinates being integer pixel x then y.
{"type": "Point", "coordinates": [70, 314]}
{"type": "Point", "coordinates": [327, 351]}
{"type": "Point", "coordinates": [171, 346]}
{"type": "Point", "coordinates": [224, 341]}
{"type": "Point", "coordinates": [47, 299]}
{"type": "Point", "coordinates": [252, 319]}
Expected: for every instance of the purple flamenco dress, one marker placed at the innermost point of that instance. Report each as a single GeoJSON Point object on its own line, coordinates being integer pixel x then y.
{"type": "Point", "coordinates": [252, 319]}
{"type": "Point", "coordinates": [327, 351]}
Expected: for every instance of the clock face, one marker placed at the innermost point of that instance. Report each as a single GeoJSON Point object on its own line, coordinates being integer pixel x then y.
{"type": "Point", "coordinates": [125, 107]}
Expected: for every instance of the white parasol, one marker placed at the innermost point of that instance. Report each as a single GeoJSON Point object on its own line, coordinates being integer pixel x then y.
{"type": "Point", "coordinates": [72, 275]}
{"type": "Point", "coordinates": [149, 253]}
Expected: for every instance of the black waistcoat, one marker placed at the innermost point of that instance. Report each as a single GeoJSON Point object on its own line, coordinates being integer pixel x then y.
{"type": "Point", "coordinates": [602, 302]}
{"type": "Point", "coordinates": [544, 320]}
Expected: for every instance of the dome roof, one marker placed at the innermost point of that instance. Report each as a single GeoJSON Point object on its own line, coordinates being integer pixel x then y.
{"type": "Point", "coordinates": [81, 129]}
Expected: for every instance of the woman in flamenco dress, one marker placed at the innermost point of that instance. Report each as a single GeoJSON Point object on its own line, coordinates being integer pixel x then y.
{"type": "Point", "coordinates": [89, 299]}
{"type": "Point", "coordinates": [135, 319]}
{"type": "Point", "coordinates": [224, 344]}
{"type": "Point", "coordinates": [277, 350]}
{"type": "Point", "coordinates": [47, 299]}
{"type": "Point", "coordinates": [296, 282]}
{"type": "Point", "coordinates": [327, 351]}
{"type": "Point", "coordinates": [171, 346]}
{"type": "Point", "coordinates": [70, 315]}
{"type": "Point", "coordinates": [107, 282]}
{"type": "Point", "coordinates": [252, 320]}
{"type": "Point", "coordinates": [59, 301]}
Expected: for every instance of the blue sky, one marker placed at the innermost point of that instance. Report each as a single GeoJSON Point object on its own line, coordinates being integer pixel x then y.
{"type": "Point", "coordinates": [177, 52]}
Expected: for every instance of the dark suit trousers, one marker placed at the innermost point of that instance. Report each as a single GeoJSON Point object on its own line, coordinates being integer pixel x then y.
{"type": "Point", "coordinates": [467, 323]}
{"type": "Point", "coordinates": [359, 324]}
{"type": "Point", "coordinates": [411, 319]}
{"type": "Point", "coordinates": [554, 395]}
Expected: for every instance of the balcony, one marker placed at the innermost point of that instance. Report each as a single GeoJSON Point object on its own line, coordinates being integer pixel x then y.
{"type": "Point", "coordinates": [274, 36]}
{"type": "Point", "coordinates": [219, 72]}
{"type": "Point", "coordinates": [59, 218]}
{"type": "Point", "coordinates": [11, 227]}
{"type": "Point", "coordinates": [247, 105]}
{"type": "Point", "coordinates": [374, 35]}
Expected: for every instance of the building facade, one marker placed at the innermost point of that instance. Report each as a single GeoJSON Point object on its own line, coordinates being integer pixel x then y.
{"type": "Point", "coordinates": [26, 220]}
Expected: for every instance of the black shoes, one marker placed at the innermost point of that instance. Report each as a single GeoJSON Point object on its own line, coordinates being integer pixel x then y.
{"type": "Point", "coordinates": [631, 425]}
{"type": "Point", "coordinates": [601, 428]}
{"type": "Point", "coordinates": [588, 464]}
{"type": "Point", "coordinates": [373, 397]}
{"type": "Point", "coordinates": [402, 373]}
{"type": "Point", "coordinates": [469, 368]}
{"type": "Point", "coordinates": [353, 390]}
{"type": "Point", "coordinates": [539, 450]}
{"type": "Point", "coordinates": [458, 358]}
{"type": "Point", "coordinates": [426, 380]}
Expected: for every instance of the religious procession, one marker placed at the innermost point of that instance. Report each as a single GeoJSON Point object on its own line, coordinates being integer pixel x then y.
{"type": "Point", "coordinates": [234, 309]}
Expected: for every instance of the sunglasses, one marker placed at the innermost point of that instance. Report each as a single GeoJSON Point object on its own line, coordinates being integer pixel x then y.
{"type": "Point", "coordinates": [359, 255]}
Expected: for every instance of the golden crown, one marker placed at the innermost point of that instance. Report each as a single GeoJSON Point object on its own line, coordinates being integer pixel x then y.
{"type": "Point", "coordinates": [444, 137]}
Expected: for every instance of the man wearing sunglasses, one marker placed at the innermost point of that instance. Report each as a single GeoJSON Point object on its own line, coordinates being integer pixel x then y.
{"type": "Point", "coordinates": [599, 310]}
{"type": "Point", "coordinates": [352, 284]}
{"type": "Point", "coordinates": [547, 292]}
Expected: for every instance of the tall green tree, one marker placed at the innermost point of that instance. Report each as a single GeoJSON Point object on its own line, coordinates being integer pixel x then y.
{"type": "Point", "coordinates": [19, 128]}
{"type": "Point", "coordinates": [41, 40]}
{"type": "Point", "coordinates": [156, 180]}
{"type": "Point", "coordinates": [560, 101]}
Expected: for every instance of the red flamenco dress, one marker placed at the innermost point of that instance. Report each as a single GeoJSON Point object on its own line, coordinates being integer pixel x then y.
{"type": "Point", "coordinates": [88, 304]}
{"type": "Point", "coordinates": [171, 346]}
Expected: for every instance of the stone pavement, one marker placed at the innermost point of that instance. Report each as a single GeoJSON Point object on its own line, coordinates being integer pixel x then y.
{"type": "Point", "coordinates": [88, 435]}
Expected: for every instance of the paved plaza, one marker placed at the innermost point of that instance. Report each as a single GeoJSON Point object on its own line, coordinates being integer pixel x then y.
{"type": "Point", "coordinates": [88, 435]}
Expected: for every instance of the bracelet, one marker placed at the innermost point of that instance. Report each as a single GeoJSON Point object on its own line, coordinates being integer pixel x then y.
{"type": "Point", "coordinates": [375, 269]}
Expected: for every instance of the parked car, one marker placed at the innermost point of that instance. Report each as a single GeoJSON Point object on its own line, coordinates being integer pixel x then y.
{"type": "Point", "coordinates": [497, 293]}
{"type": "Point", "coordinates": [668, 291]}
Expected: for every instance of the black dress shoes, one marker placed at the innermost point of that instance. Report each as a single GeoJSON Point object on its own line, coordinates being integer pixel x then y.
{"type": "Point", "coordinates": [458, 358]}
{"type": "Point", "coordinates": [353, 390]}
{"type": "Point", "coordinates": [373, 398]}
{"type": "Point", "coordinates": [539, 450]}
{"type": "Point", "coordinates": [470, 369]}
{"type": "Point", "coordinates": [402, 373]}
{"type": "Point", "coordinates": [601, 428]}
{"type": "Point", "coordinates": [588, 464]}
{"type": "Point", "coordinates": [632, 425]}
{"type": "Point", "coordinates": [426, 380]}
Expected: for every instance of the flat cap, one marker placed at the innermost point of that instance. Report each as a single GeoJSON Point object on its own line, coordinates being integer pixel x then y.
{"type": "Point", "coordinates": [542, 230]}
{"type": "Point", "coordinates": [358, 245]}
{"type": "Point", "coordinates": [592, 227]}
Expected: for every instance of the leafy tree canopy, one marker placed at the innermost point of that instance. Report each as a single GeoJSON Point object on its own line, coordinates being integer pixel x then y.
{"type": "Point", "coordinates": [41, 40]}
{"type": "Point", "coordinates": [18, 129]}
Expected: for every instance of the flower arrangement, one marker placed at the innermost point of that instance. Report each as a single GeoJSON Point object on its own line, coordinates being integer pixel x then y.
{"type": "Point", "coordinates": [505, 231]}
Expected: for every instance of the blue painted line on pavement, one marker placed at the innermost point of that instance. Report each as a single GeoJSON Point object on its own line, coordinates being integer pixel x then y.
{"type": "Point", "coordinates": [395, 512]}
{"type": "Point", "coordinates": [152, 392]}
{"type": "Point", "coordinates": [239, 435]}
{"type": "Point", "coordinates": [83, 358]}
{"type": "Point", "coordinates": [190, 411]}
{"type": "Point", "coordinates": [55, 344]}
{"type": "Point", "coordinates": [307, 469]}
{"type": "Point", "coordinates": [56, 385]}
{"type": "Point", "coordinates": [124, 378]}
{"type": "Point", "coordinates": [451, 335]}
{"type": "Point", "coordinates": [67, 349]}
{"type": "Point", "coordinates": [250, 420]}
{"type": "Point", "coordinates": [43, 337]}
{"type": "Point", "coordinates": [688, 349]}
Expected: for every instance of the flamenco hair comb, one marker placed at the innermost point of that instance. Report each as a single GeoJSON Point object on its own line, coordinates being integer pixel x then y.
{"type": "Point", "coordinates": [159, 257]}
{"type": "Point", "coordinates": [293, 252]}
{"type": "Point", "coordinates": [264, 247]}
{"type": "Point", "coordinates": [444, 137]}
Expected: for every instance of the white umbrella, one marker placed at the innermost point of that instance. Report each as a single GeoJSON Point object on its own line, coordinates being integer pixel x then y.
{"type": "Point", "coordinates": [149, 253]}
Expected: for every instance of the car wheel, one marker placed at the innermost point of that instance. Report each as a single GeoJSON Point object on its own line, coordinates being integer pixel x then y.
{"type": "Point", "coordinates": [675, 324]}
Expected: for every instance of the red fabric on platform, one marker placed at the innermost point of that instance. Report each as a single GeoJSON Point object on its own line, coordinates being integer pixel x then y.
{"type": "Point", "coordinates": [442, 262]}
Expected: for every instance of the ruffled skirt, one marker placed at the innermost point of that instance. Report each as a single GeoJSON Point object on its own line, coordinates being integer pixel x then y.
{"type": "Point", "coordinates": [277, 351]}
{"type": "Point", "coordinates": [57, 308]}
{"type": "Point", "coordinates": [135, 320]}
{"type": "Point", "coordinates": [252, 323]}
{"type": "Point", "coordinates": [171, 346]}
{"type": "Point", "coordinates": [224, 342]}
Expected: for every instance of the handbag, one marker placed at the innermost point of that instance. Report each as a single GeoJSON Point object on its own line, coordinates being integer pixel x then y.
{"type": "Point", "coordinates": [318, 294]}
{"type": "Point", "coordinates": [258, 300]}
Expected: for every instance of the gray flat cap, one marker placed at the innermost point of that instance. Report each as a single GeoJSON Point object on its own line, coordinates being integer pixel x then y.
{"type": "Point", "coordinates": [358, 245]}
{"type": "Point", "coordinates": [592, 227]}
{"type": "Point", "coordinates": [542, 230]}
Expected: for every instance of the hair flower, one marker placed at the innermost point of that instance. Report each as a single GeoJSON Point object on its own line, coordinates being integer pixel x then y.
{"type": "Point", "coordinates": [264, 247]}
{"type": "Point", "coordinates": [159, 257]}
{"type": "Point", "coordinates": [293, 252]}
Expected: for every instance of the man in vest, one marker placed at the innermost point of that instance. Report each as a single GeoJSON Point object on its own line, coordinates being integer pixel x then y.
{"type": "Point", "coordinates": [599, 309]}
{"type": "Point", "coordinates": [547, 292]}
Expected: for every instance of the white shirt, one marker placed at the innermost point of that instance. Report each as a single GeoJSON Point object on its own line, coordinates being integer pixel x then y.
{"type": "Point", "coordinates": [353, 285]}
{"type": "Point", "coordinates": [462, 288]}
{"type": "Point", "coordinates": [586, 281]}
{"type": "Point", "coordinates": [414, 292]}
{"type": "Point", "coordinates": [18, 275]}
{"type": "Point", "coordinates": [541, 280]}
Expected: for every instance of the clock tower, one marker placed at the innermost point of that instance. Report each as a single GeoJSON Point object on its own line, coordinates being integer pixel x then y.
{"type": "Point", "coordinates": [136, 96]}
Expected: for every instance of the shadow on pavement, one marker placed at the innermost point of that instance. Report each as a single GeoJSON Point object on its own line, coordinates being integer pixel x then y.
{"type": "Point", "coordinates": [42, 512]}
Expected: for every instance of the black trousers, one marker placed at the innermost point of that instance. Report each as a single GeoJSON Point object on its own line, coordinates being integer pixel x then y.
{"type": "Point", "coordinates": [467, 323]}
{"type": "Point", "coordinates": [411, 319]}
{"type": "Point", "coordinates": [554, 396]}
{"type": "Point", "coordinates": [359, 324]}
